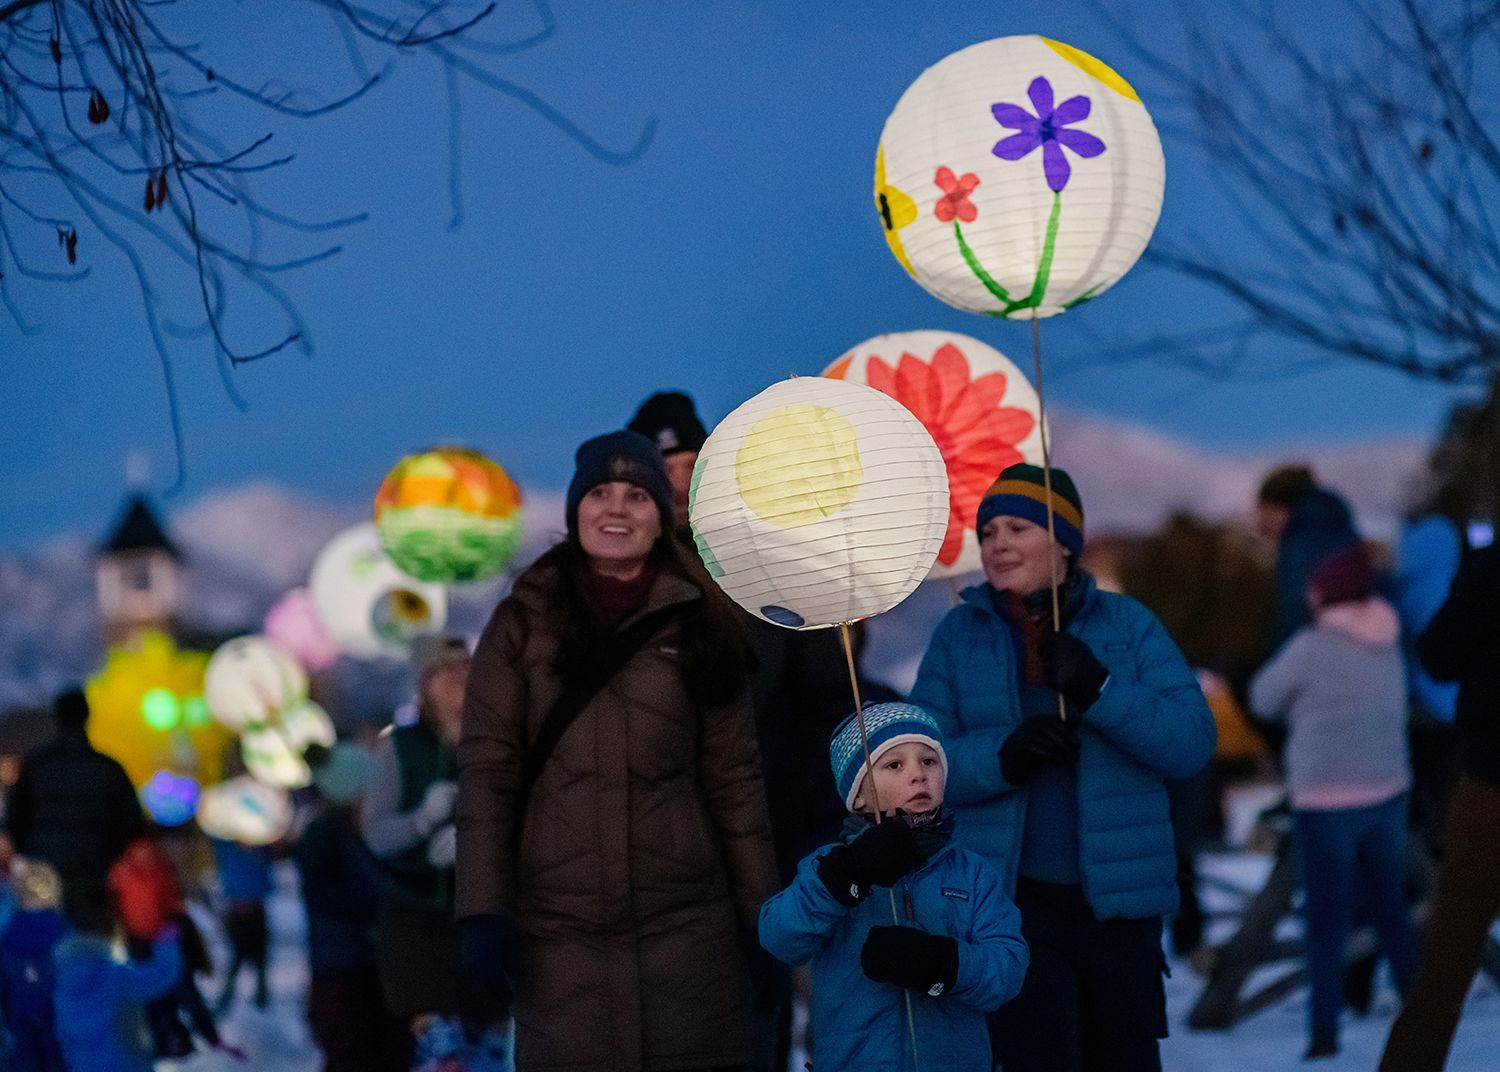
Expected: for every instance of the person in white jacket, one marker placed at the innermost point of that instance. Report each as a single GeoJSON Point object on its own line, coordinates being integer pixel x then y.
{"type": "Point", "coordinates": [1340, 686]}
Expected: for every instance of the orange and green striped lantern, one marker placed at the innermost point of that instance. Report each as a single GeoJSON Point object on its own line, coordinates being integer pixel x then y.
{"type": "Point", "coordinates": [449, 516]}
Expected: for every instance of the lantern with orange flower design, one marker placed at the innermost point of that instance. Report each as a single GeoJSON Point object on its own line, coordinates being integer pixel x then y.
{"type": "Point", "coordinates": [977, 405]}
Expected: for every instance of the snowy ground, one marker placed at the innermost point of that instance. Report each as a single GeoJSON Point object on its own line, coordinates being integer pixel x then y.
{"type": "Point", "coordinates": [277, 1040]}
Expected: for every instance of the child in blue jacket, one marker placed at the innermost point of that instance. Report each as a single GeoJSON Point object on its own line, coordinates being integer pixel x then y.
{"type": "Point", "coordinates": [957, 949]}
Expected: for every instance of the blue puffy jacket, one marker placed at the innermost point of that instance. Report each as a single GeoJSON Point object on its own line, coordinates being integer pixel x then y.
{"type": "Point", "coordinates": [99, 1002]}
{"type": "Point", "coordinates": [1151, 722]}
{"type": "Point", "coordinates": [860, 1024]}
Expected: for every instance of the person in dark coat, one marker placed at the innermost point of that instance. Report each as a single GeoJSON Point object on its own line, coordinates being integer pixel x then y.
{"type": "Point", "coordinates": [1462, 644]}
{"type": "Point", "coordinates": [74, 807]}
{"type": "Point", "coordinates": [620, 899]}
{"type": "Point", "coordinates": [1307, 523]}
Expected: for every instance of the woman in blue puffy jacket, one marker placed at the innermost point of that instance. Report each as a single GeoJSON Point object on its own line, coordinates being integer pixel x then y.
{"type": "Point", "coordinates": [1071, 811]}
{"type": "Point", "coordinates": [956, 952]}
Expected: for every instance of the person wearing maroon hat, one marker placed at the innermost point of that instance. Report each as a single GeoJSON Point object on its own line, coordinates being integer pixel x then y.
{"type": "Point", "coordinates": [1339, 684]}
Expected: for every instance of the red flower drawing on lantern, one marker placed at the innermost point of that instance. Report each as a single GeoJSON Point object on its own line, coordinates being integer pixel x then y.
{"type": "Point", "coordinates": [977, 435]}
{"type": "Point", "coordinates": [955, 200]}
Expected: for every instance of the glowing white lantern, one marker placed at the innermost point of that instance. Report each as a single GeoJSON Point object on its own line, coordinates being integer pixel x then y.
{"type": "Point", "coordinates": [975, 403]}
{"type": "Point", "coordinates": [246, 811]}
{"type": "Point", "coordinates": [369, 607]}
{"type": "Point", "coordinates": [819, 502]}
{"type": "Point", "coordinates": [273, 754]}
{"type": "Point", "coordinates": [1018, 174]}
{"type": "Point", "coordinates": [251, 680]}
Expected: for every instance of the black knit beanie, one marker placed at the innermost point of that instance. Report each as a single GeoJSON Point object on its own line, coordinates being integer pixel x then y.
{"type": "Point", "coordinates": [669, 420]}
{"type": "Point", "coordinates": [623, 455]}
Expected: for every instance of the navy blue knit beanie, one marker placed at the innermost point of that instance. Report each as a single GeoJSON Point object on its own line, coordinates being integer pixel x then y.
{"type": "Point", "coordinates": [627, 456]}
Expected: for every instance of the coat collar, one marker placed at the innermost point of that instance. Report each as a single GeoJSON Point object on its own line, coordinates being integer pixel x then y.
{"type": "Point", "coordinates": [981, 596]}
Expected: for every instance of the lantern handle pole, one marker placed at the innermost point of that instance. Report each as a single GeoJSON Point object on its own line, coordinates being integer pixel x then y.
{"type": "Point", "coordinates": [864, 740]}
{"type": "Point", "coordinates": [1041, 403]}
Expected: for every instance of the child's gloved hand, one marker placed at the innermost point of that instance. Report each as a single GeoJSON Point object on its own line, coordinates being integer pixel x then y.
{"type": "Point", "coordinates": [877, 857]}
{"type": "Point", "coordinates": [1040, 741]}
{"type": "Point", "coordinates": [910, 958]}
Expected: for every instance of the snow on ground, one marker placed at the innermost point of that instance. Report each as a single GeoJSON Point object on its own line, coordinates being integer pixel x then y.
{"type": "Point", "coordinates": [277, 1039]}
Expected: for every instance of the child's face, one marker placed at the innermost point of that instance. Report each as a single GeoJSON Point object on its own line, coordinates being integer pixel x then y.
{"type": "Point", "coordinates": [908, 776]}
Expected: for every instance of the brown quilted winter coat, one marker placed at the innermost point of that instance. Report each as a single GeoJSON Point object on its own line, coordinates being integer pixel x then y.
{"type": "Point", "coordinates": [646, 851]}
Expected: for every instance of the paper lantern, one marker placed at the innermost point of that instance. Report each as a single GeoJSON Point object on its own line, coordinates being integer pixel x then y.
{"type": "Point", "coordinates": [273, 753]}
{"type": "Point", "coordinates": [975, 403]}
{"type": "Point", "coordinates": [146, 709]}
{"type": "Point", "coordinates": [293, 624]}
{"type": "Point", "coordinates": [368, 607]}
{"type": "Point", "coordinates": [449, 515]}
{"type": "Point", "coordinates": [246, 811]}
{"type": "Point", "coordinates": [250, 680]}
{"type": "Point", "coordinates": [170, 799]}
{"type": "Point", "coordinates": [819, 502]}
{"type": "Point", "coordinates": [1018, 175]}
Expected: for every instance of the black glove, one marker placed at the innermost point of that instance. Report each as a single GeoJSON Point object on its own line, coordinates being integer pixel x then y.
{"type": "Point", "coordinates": [1040, 741]}
{"type": "Point", "coordinates": [878, 857]}
{"type": "Point", "coordinates": [1070, 667]}
{"type": "Point", "coordinates": [489, 946]}
{"type": "Point", "coordinates": [910, 958]}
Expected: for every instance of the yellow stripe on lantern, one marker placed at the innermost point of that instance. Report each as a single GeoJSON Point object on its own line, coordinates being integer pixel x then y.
{"type": "Point", "coordinates": [1060, 506]}
{"type": "Point", "coordinates": [824, 478]}
{"type": "Point", "coordinates": [1098, 68]}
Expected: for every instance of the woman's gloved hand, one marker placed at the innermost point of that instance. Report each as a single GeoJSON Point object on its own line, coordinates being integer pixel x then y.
{"type": "Point", "coordinates": [1040, 741]}
{"type": "Point", "coordinates": [910, 958]}
{"type": "Point", "coordinates": [877, 857]}
{"type": "Point", "coordinates": [1070, 666]}
{"type": "Point", "coordinates": [489, 946]}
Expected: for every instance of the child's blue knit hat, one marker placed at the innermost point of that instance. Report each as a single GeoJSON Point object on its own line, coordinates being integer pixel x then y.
{"type": "Point", "coordinates": [887, 725]}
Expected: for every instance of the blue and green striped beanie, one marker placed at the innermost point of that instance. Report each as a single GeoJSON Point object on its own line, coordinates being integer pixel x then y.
{"type": "Point", "coordinates": [887, 724]}
{"type": "Point", "coordinates": [1021, 491]}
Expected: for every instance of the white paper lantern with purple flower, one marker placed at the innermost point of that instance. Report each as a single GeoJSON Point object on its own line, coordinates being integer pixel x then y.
{"type": "Point", "coordinates": [1019, 177]}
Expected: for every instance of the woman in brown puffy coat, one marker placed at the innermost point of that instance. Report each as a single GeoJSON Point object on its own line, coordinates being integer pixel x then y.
{"type": "Point", "coordinates": [617, 896]}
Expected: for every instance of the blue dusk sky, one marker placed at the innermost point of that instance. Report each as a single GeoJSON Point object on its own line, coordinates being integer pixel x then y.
{"type": "Point", "coordinates": [740, 247]}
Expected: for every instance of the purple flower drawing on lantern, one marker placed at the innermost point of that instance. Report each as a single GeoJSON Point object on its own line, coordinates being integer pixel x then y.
{"type": "Point", "coordinates": [1047, 129]}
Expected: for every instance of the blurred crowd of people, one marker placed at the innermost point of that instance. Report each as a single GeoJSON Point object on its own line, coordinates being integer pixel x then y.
{"type": "Point", "coordinates": [616, 833]}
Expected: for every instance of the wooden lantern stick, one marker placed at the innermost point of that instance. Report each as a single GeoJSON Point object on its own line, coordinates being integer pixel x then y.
{"type": "Point", "coordinates": [864, 740]}
{"type": "Point", "coordinates": [1041, 404]}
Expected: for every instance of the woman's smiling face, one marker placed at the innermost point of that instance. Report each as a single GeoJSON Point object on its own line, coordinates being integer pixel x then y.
{"type": "Point", "coordinates": [618, 523]}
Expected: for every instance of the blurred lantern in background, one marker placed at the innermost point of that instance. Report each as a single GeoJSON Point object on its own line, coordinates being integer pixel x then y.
{"type": "Point", "coordinates": [449, 516]}
{"type": "Point", "coordinates": [274, 752]}
{"type": "Point", "coordinates": [368, 607]}
{"type": "Point", "coordinates": [245, 810]}
{"type": "Point", "coordinates": [819, 502]}
{"type": "Point", "coordinates": [170, 799]}
{"type": "Point", "coordinates": [1018, 177]}
{"type": "Point", "coordinates": [250, 680]}
{"type": "Point", "coordinates": [975, 403]}
{"type": "Point", "coordinates": [293, 624]}
{"type": "Point", "coordinates": [147, 711]}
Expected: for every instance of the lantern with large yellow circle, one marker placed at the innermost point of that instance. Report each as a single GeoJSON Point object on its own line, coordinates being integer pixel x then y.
{"type": "Point", "coordinates": [449, 516]}
{"type": "Point", "coordinates": [368, 607]}
{"type": "Point", "coordinates": [819, 502]}
{"type": "Point", "coordinates": [147, 711]}
{"type": "Point", "coordinates": [1018, 177]}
